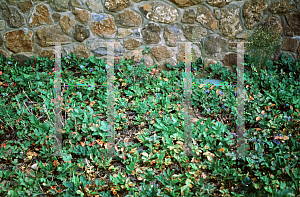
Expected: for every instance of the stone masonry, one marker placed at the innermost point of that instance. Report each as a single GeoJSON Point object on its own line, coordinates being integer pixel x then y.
{"type": "Point", "coordinates": [26, 25]}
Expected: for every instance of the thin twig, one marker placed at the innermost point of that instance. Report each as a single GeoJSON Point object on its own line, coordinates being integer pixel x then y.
{"type": "Point", "coordinates": [41, 188]}
{"type": "Point", "coordinates": [45, 109]}
{"type": "Point", "coordinates": [11, 118]}
{"type": "Point", "coordinates": [7, 124]}
{"type": "Point", "coordinates": [27, 108]}
{"type": "Point", "coordinates": [15, 96]}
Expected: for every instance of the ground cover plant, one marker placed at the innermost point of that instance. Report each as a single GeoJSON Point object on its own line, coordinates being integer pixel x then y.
{"type": "Point", "coordinates": [149, 125]}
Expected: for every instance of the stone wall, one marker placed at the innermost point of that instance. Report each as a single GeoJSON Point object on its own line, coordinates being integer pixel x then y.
{"type": "Point", "coordinates": [26, 26]}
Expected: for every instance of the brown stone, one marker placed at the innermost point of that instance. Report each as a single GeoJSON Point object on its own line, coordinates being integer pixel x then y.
{"type": "Point", "coordinates": [81, 15]}
{"type": "Point", "coordinates": [288, 31]}
{"type": "Point", "coordinates": [82, 51]}
{"type": "Point", "coordinates": [189, 16]}
{"type": "Point", "coordinates": [66, 23]}
{"type": "Point", "coordinates": [290, 44]}
{"type": "Point", "coordinates": [115, 6]}
{"type": "Point", "coordinates": [230, 24]}
{"type": "Point", "coordinates": [195, 53]}
{"type": "Point", "coordinates": [186, 3]}
{"type": "Point", "coordinates": [161, 52]}
{"type": "Point", "coordinates": [132, 43]}
{"type": "Point", "coordinates": [219, 3]}
{"type": "Point", "coordinates": [77, 3]}
{"type": "Point", "coordinates": [253, 12]}
{"type": "Point", "coordinates": [154, 24]}
{"type": "Point", "coordinates": [122, 33]}
{"type": "Point", "coordinates": [81, 33]}
{"type": "Point", "coordinates": [129, 18]}
{"type": "Point", "coordinates": [194, 32]}
{"type": "Point", "coordinates": [230, 59]}
{"type": "Point", "coordinates": [151, 33]}
{"type": "Point", "coordinates": [39, 16]}
{"type": "Point", "coordinates": [4, 53]}
{"type": "Point", "coordinates": [214, 45]}
{"type": "Point", "coordinates": [293, 21]}
{"type": "Point", "coordinates": [103, 25]}
{"type": "Point", "coordinates": [12, 16]}
{"type": "Point", "coordinates": [48, 53]}
{"type": "Point", "coordinates": [172, 35]}
{"type": "Point", "coordinates": [56, 17]}
{"type": "Point", "coordinates": [99, 48]}
{"type": "Point", "coordinates": [282, 7]}
{"type": "Point", "coordinates": [1, 41]}
{"type": "Point", "coordinates": [166, 14]}
{"type": "Point", "coordinates": [138, 56]}
{"type": "Point", "coordinates": [25, 6]}
{"type": "Point", "coordinates": [12, 2]}
{"type": "Point", "coordinates": [94, 6]}
{"type": "Point", "coordinates": [19, 41]}
{"type": "Point", "coordinates": [205, 18]}
{"type": "Point", "coordinates": [60, 6]}
{"type": "Point", "coordinates": [51, 33]}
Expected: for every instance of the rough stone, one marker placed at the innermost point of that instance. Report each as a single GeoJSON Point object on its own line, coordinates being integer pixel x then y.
{"type": "Point", "coordinates": [282, 7]}
{"type": "Point", "coordinates": [77, 3]}
{"type": "Point", "coordinates": [12, 16]}
{"type": "Point", "coordinates": [253, 12]}
{"type": "Point", "coordinates": [103, 25]}
{"type": "Point", "coordinates": [132, 43]}
{"type": "Point", "coordinates": [230, 24]}
{"type": "Point", "coordinates": [151, 33]}
{"type": "Point", "coordinates": [4, 53]}
{"type": "Point", "coordinates": [293, 21]}
{"type": "Point", "coordinates": [82, 51]}
{"type": "Point", "coordinates": [166, 13]}
{"type": "Point", "coordinates": [66, 23]}
{"type": "Point", "coordinates": [172, 34]}
{"type": "Point", "coordinates": [25, 6]}
{"type": "Point", "coordinates": [94, 6]}
{"type": "Point", "coordinates": [39, 16]}
{"type": "Point", "coordinates": [205, 18]}
{"type": "Point", "coordinates": [122, 33]}
{"type": "Point", "coordinates": [19, 41]}
{"type": "Point", "coordinates": [129, 18]}
{"type": "Point", "coordinates": [51, 33]}
{"type": "Point", "coordinates": [59, 5]}
{"type": "Point", "coordinates": [185, 3]}
{"type": "Point", "coordinates": [189, 16]}
{"type": "Point", "coordinates": [290, 44]}
{"type": "Point", "coordinates": [115, 6]}
{"type": "Point", "coordinates": [81, 33]}
{"type": "Point", "coordinates": [81, 15]}
{"type": "Point", "coordinates": [159, 25]}
{"type": "Point", "coordinates": [56, 17]}
{"type": "Point", "coordinates": [161, 52]}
